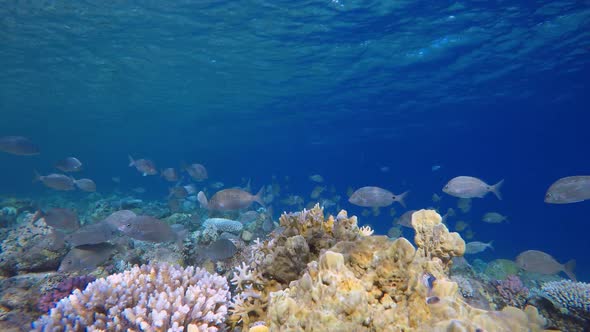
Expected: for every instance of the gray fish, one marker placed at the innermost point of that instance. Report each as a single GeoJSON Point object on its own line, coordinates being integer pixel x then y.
{"type": "Point", "coordinates": [86, 259]}
{"type": "Point", "coordinates": [493, 218]}
{"type": "Point", "coordinates": [144, 166]}
{"type": "Point", "coordinates": [267, 225]}
{"type": "Point", "coordinates": [119, 218]}
{"type": "Point", "coordinates": [216, 185]}
{"type": "Point", "coordinates": [85, 185]}
{"type": "Point", "coordinates": [248, 217]}
{"type": "Point", "coordinates": [221, 249]}
{"type": "Point", "coordinates": [18, 145]}
{"type": "Point", "coordinates": [292, 200]}
{"type": "Point", "coordinates": [376, 197]}
{"type": "Point", "coordinates": [55, 181]}
{"type": "Point", "coordinates": [169, 174]}
{"type": "Point", "coordinates": [316, 178]}
{"type": "Point", "coordinates": [146, 228]}
{"type": "Point", "coordinates": [70, 164]}
{"type": "Point", "coordinates": [99, 232]}
{"type": "Point", "coordinates": [197, 171]}
{"type": "Point", "coordinates": [406, 219]}
{"type": "Point", "coordinates": [543, 263]}
{"type": "Point", "coordinates": [178, 192]}
{"type": "Point", "coordinates": [470, 187]}
{"type": "Point", "coordinates": [63, 219]}
{"type": "Point", "coordinates": [230, 199]}
{"type": "Point", "coordinates": [571, 189]}
{"type": "Point", "coordinates": [476, 247]}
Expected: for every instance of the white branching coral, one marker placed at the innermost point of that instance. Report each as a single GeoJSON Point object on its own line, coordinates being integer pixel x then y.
{"type": "Point", "coordinates": [154, 298]}
{"type": "Point", "coordinates": [366, 231]}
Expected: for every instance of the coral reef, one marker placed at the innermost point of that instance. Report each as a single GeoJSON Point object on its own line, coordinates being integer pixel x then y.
{"type": "Point", "coordinates": [61, 290]}
{"type": "Point", "coordinates": [500, 269]}
{"type": "Point", "coordinates": [433, 239]}
{"type": "Point", "coordinates": [375, 284]}
{"type": "Point", "coordinates": [31, 247]}
{"type": "Point", "coordinates": [224, 225]}
{"type": "Point", "coordinates": [512, 290]}
{"type": "Point", "coordinates": [276, 262]}
{"type": "Point", "coordinates": [570, 296]}
{"type": "Point", "coordinates": [151, 297]}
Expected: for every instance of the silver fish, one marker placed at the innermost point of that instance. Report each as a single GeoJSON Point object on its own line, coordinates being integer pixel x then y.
{"type": "Point", "coordinates": [70, 164]}
{"type": "Point", "coordinates": [119, 218]}
{"type": "Point", "coordinates": [169, 174]}
{"type": "Point", "coordinates": [63, 219]}
{"type": "Point", "coordinates": [91, 234]}
{"type": "Point", "coordinates": [221, 249]}
{"type": "Point", "coordinates": [471, 187]}
{"type": "Point", "coordinates": [230, 199]}
{"type": "Point", "coordinates": [85, 185]}
{"type": "Point", "coordinates": [376, 197]}
{"type": "Point", "coordinates": [493, 218]}
{"type": "Point", "coordinates": [89, 258]}
{"type": "Point", "coordinates": [316, 178]}
{"type": "Point", "coordinates": [18, 145]}
{"type": "Point", "coordinates": [146, 228]}
{"type": "Point", "coordinates": [543, 263]}
{"type": "Point", "coordinates": [406, 219]}
{"type": "Point", "coordinates": [144, 166]}
{"type": "Point", "coordinates": [55, 181]}
{"type": "Point", "coordinates": [197, 171]}
{"type": "Point", "coordinates": [476, 247]}
{"type": "Point", "coordinates": [571, 189]}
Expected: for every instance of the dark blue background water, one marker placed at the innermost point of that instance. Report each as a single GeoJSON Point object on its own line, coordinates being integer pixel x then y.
{"type": "Point", "coordinates": [497, 90]}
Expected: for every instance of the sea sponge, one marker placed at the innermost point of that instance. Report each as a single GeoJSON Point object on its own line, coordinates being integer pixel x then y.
{"type": "Point", "coordinates": [276, 262]}
{"type": "Point", "coordinates": [376, 284]}
{"type": "Point", "coordinates": [434, 239]}
{"type": "Point", "coordinates": [149, 298]}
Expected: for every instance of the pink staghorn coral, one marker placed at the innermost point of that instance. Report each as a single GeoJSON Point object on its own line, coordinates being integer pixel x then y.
{"type": "Point", "coordinates": [154, 298]}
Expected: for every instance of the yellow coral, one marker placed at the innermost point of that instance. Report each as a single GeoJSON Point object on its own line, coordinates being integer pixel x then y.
{"type": "Point", "coordinates": [434, 239]}
{"type": "Point", "coordinates": [375, 284]}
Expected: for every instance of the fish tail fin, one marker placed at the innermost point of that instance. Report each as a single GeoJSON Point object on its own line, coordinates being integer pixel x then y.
{"type": "Point", "coordinates": [131, 161]}
{"type": "Point", "coordinates": [36, 176]}
{"type": "Point", "coordinates": [258, 196]}
{"type": "Point", "coordinates": [401, 198]}
{"type": "Point", "coordinates": [491, 244]}
{"type": "Point", "coordinates": [568, 268]}
{"type": "Point", "coordinates": [496, 189]}
{"type": "Point", "coordinates": [203, 200]}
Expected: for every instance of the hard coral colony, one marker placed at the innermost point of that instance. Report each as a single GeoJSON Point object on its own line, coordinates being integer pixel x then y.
{"type": "Point", "coordinates": [314, 273]}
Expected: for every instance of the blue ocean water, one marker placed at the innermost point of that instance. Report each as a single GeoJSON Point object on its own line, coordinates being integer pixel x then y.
{"type": "Point", "coordinates": [256, 89]}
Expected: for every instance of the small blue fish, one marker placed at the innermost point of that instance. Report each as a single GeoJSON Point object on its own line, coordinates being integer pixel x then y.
{"type": "Point", "coordinates": [428, 281]}
{"type": "Point", "coordinates": [436, 167]}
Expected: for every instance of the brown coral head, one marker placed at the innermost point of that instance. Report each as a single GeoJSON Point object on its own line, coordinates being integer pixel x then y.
{"type": "Point", "coordinates": [432, 300]}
